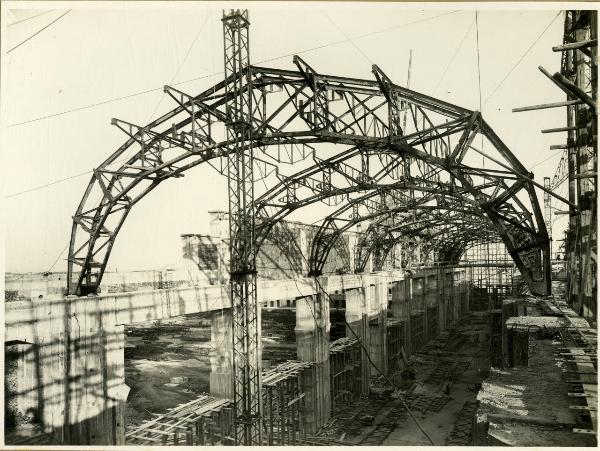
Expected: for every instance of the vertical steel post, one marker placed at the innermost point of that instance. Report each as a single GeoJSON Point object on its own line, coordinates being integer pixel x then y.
{"type": "Point", "coordinates": [242, 245]}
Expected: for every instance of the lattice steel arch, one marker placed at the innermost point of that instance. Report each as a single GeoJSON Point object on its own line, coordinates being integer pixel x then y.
{"type": "Point", "coordinates": [302, 109]}
{"type": "Point", "coordinates": [448, 235]}
{"type": "Point", "coordinates": [437, 216]}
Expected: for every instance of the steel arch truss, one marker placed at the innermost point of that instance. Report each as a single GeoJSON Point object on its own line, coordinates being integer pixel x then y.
{"type": "Point", "coordinates": [343, 139]}
{"type": "Point", "coordinates": [425, 215]}
{"type": "Point", "coordinates": [439, 238]}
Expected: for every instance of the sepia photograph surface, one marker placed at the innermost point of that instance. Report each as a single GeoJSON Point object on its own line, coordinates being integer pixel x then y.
{"type": "Point", "coordinates": [298, 224]}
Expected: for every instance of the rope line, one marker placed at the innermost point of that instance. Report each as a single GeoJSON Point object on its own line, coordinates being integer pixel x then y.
{"type": "Point", "coordinates": [38, 32]}
{"type": "Point", "coordinates": [520, 60]}
{"type": "Point", "coordinates": [116, 99]}
{"type": "Point", "coordinates": [453, 58]}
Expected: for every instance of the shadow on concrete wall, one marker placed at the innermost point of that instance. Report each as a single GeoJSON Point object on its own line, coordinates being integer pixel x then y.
{"type": "Point", "coordinates": [64, 382]}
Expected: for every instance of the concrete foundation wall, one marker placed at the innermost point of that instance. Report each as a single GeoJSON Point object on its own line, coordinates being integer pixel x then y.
{"type": "Point", "coordinates": [83, 338]}
{"type": "Point", "coordinates": [312, 345]}
{"type": "Point", "coordinates": [69, 377]}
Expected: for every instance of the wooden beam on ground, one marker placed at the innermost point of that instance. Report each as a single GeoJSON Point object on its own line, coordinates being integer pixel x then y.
{"type": "Point", "coordinates": [558, 146]}
{"type": "Point", "coordinates": [544, 106]}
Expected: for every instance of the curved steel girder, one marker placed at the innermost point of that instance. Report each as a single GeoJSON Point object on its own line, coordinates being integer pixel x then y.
{"type": "Point", "coordinates": [374, 185]}
{"type": "Point", "coordinates": [421, 214]}
{"type": "Point", "coordinates": [193, 133]}
{"type": "Point", "coordinates": [340, 221]}
{"type": "Point", "coordinates": [450, 240]}
{"type": "Point", "coordinates": [449, 237]}
{"type": "Point", "coordinates": [443, 231]}
{"type": "Point", "coordinates": [529, 250]}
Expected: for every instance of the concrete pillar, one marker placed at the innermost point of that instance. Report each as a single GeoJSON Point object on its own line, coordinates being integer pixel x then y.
{"type": "Point", "coordinates": [221, 354]}
{"type": "Point", "coordinates": [496, 350]}
{"type": "Point", "coordinates": [520, 347]}
{"type": "Point", "coordinates": [431, 300]}
{"type": "Point", "coordinates": [464, 294]}
{"type": "Point", "coordinates": [21, 400]}
{"type": "Point", "coordinates": [509, 308]}
{"type": "Point", "coordinates": [418, 290]}
{"type": "Point", "coordinates": [442, 299]}
{"type": "Point", "coordinates": [312, 345]}
{"type": "Point", "coordinates": [409, 303]}
{"type": "Point", "coordinates": [448, 298]}
{"type": "Point", "coordinates": [357, 318]}
{"type": "Point", "coordinates": [399, 303]}
{"type": "Point", "coordinates": [377, 302]}
{"type": "Point", "coordinates": [418, 306]}
{"type": "Point", "coordinates": [400, 312]}
{"type": "Point", "coordinates": [456, 296]}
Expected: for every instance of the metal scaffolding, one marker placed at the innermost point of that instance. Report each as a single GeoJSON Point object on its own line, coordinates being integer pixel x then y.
{"type": "Point", "coordinates": [247, 397]}
{"type": "Point", "coordinates": [577, 79]}
{"type": "Point", "coordinates": [345, 372]}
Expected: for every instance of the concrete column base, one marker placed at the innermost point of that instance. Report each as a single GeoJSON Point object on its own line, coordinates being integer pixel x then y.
{"type": "Point", "coordinates": [358, 322]}
{"type": "Point", "coordinates": [520, 348]}
{"type": "Point", "coordinates": [221, 355]}
{"type": "Point", "coordinates": [312, 345]}
{"type": "Point", "coordinates": [77, 337]}
{"type": "Point", "coordinates": [378, 342]}
{"type": "Point", "coordinates": [361, 328]}
{"type": "Point", "coordinates": [316, 381]}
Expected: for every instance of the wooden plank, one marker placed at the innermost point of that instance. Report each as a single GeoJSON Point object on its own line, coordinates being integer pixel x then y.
{"type": "Point", "coordinates": [592, 408]}
{"type": "Point", "coordinates": [547, 105]}
{"type": "Point", "coordinates": [141, 437]}
{"type": "Point", "coordinates": [575, 45]}
{"type": "Point", "coordinates": [582, 380]}
{"type": "Point", "coordinates": [561, 129]}
{"type": "Point", "coordinates": [569, 87]}
{"type": "Point", "coordinates": [157, 431]}
{"type": "Point", "coordinates": [590, 388]}
{"type": "Point", "coordinates": [582, 359]}
{"type": "Point", "coordinates": [586, 175]}
{"type": "Point", "coordinates": [295, 400]}
{"type": "Point", "coordinates": [587, 348]}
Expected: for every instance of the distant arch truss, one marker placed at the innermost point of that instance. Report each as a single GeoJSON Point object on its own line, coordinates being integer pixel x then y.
{"type": "Point", "coordinates": [411, 167]}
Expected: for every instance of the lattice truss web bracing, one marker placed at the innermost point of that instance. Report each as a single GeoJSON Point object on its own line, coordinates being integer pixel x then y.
{"type": "Point", "coordinates": [411, 168]}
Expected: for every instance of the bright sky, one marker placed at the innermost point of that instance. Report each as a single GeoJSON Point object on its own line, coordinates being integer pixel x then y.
{"type": "Point", "coordinates": [99, 52]}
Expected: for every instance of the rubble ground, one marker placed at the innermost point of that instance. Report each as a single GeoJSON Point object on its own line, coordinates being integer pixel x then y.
{"type": "Point", "coordinates": [448, 372]}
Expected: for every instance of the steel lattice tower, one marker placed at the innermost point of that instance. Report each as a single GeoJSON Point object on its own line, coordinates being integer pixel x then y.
{"type": "Point", "coordinates": [242, 245]}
